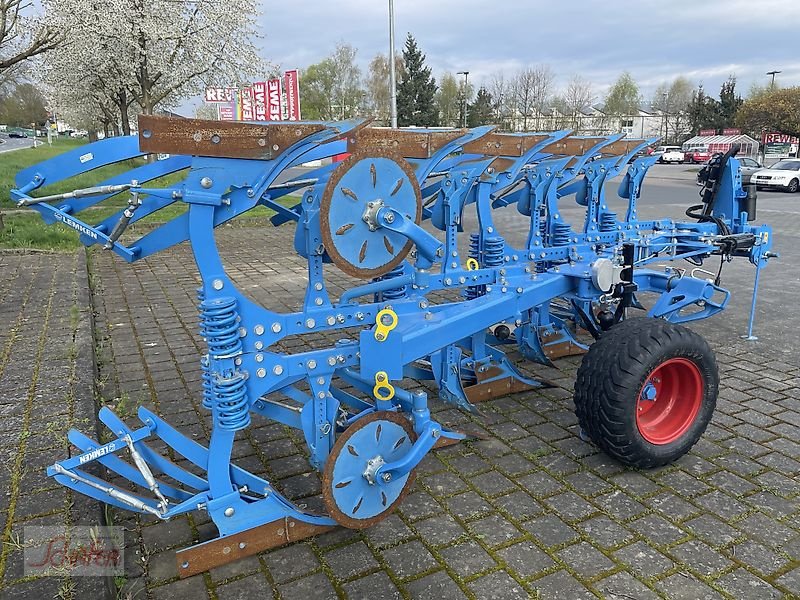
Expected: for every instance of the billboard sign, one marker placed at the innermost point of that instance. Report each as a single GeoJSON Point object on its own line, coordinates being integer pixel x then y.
{"type": "Point", "coordinates": [260, 100]}
{"type": "Point", "coordinates": [219, 95]}
{"type": "Point", "coordinates": [274, 100]}
{"type": "Point", "coordinates": [292, 84]}
{"type": "Point", "coordinates": [707, 132]}
{"type": "Point", "coordinates": [246, 104]}
{"type": "Point", "coordinates": [732, 131]}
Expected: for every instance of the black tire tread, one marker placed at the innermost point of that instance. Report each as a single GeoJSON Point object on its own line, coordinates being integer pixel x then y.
{"type": "Point", "coordinates": [611, 375]}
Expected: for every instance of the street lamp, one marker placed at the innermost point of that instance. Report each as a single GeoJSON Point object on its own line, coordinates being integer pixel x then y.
{"type": "Point", "coordinates": [392, 74]}
{"type": "Point", "coordinates": [773, 73]}
{"type": "Point", "coordinates": [464, 98]}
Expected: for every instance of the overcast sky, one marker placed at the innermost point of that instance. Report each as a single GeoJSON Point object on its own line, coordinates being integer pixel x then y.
{"type": "Point", "coordinates": [705, 40]}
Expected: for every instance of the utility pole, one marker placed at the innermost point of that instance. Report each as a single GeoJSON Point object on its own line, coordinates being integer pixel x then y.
{"type": "Point", "coordinates": [392, 74]}
{"type": "Point", "coordinates": [464, 98]}
{"type": "Point", "coordinates": [773, 73]}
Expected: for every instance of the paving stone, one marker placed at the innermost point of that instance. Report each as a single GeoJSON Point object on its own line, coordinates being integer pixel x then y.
{"type": "Point", "coordinates": [683, 484]}
{"type": "Point", "coordinates": [377, 585]}
{"type": "Point", "coordinates": [585, 560]}
{"type": "Point", "coordinates": [290, 562]}
{"type": "Point", "coordinates": [712, 530]}
{"type": "Point", "coordinates": [550, 530]}
{"type": "Point", "coordinates": [619, 505]}
{"type": "Point", "coordinates": [731, 483]}
{"type": "Point", "coordinates": [540, 484]}
{"type": "Point", "coordinates": [769, 531]}
{"type": "Point", "coordinates": [468, 505]}
{"type": "Point", "coordinates": [410, 559]}
{"type": "Point", "coordinates": [791, 581]}
{"type": "Point", "coordinates": [438, 585]}
{"type": "Point", "coordinates": [469, 464]}
{"type": "Point", "coordinates": [519, 505]}
{"type": "Point", "coordinates": [351, 560]}
{"type": "Point", "coordinates": [525, 559]}
{"type": "Point", "coordinates": [513, 465]}
{"type": "Point", "coordinates": [498, 586]}
{"type": "Point", "coordinates": [744, 585]}
{"type": "Point", "coordinates": [419, 505]}
{"type": "Point", "coordinates": [586, 483]}
{"type": "Point", "coordinates": [700, 558]}
{"type": "Point", "coordinates": [246, 588]}
{"type": "Point", "coordinates": [604, 532]}
{"type": "Point", "coordinates": [570, 506]}
{"type": "Point", "coordinates": [623, 586]}
{"type": "Point", "coordinates": [681, 586]}
{"type": "Point", "coordinates": [192, 588]}
{"type": "Point", "coordinates": [467, 559]}
{"type": "Point", "coordinates": [495, 530]}
{"type": "Point", "coordinates": [673, 506]}
{"type": "Point", "coordinates": [721, 504]}
{"type": "Point", "coordinates": [492, 483]}
{"type": "Point", "coordinates": [643, 560]}
{"type": "Point", "coordinates": [561, 586]}
{"type": "Point", "coordinates": [444, 484]}
{"type": "Point", "coordinates": [757, 557]}
{"type": "Point", "coordinates": [388, 532]}
{"type": "Point", "coordinates": [316, 586]}
{"type": "Point", "coordinates": [439, 530]}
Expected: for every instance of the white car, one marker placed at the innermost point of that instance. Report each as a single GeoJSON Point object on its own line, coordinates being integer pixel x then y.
{"type": "Point", "coordinates": [783, 175]}
{"type": "Point", "coordinates": [670, 154]}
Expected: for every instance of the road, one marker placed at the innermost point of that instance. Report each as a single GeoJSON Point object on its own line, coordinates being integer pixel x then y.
{"type": "Point", "coordinates": [10, 144]}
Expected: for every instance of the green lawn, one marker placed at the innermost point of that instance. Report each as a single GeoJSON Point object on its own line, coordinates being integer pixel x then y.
{"type": "Point", "coordinates": [20, 229]}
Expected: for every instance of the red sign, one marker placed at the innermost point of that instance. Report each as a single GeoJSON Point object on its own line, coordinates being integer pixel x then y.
{"type": "Point", "coordinates": [732, 131]}
{"type": "Point", "coordinates": [246, 104]}
{"type": "Point", "coordinates": [707, 132]}
{"type": "Point", "coordinates": [274, 103]}
{"type": "Point", "coordinates": [292, 83]}
{"type": "Point", "coordinates": [779, 138]}
{"type": "Point", "coordinates": [219, 95]}
{"type": "Point", "coordinates": [227, 111]}
{"type": "Point", "coordinates": [260, 100]}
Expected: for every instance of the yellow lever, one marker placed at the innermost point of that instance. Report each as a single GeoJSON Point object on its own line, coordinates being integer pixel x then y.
{"type": "Point", "coordinates": [472, 264]}
{"type": "Point", "coordinates": [383, 390]}
{"type": "Point", "coordinates": [385, 321]}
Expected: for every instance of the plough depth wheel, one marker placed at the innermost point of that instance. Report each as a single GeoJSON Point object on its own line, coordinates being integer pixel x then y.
{"type": "Point", "coordinates": [646, 391]}
{"type": "Point", "coordinates": [355, 498]}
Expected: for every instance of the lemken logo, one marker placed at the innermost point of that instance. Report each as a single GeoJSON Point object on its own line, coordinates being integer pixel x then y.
{"type": "Point", "coordinates": [79, 227]}
{"type": "Point", "coordinates": [94, 454]}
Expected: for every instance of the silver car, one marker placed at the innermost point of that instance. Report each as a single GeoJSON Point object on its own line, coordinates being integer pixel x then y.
{"type": "Point", "coordinates": [748, 167]}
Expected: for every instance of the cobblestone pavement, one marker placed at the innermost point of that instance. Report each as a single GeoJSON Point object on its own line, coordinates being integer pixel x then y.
{"type": "Point", "coordinates": [531, 510]}
{"type": "Point", "coordinates": [46, 386]}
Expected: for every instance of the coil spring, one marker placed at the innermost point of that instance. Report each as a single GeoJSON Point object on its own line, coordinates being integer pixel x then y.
{"type": "Point", "coordinates": [608, 221]}
{"type": "Point", "coordinates": [394, 293]}
{"type": "Point", "coordinates": [224, 391]}
{"type": "Point", "coordinates": [205, 363]}
{"type": "Point", "coordinates": [494, 248]}
{"type": "Point", "coordinates": [473, 291]}
{"type": "Point", "coordinates": [561, 234]}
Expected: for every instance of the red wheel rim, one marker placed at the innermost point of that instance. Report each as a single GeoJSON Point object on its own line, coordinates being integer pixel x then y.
{"type": "Point", "coordinates": [669, 401]}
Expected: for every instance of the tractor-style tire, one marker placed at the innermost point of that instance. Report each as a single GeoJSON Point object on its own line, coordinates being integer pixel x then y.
{"type": "Point", "coordinates": [646, 391]}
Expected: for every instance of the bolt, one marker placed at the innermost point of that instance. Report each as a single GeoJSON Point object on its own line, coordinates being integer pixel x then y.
{"type": "Point", "coordinates": [387, 477]}
{"type": "Point", "coordinates": [310, 323]}
{"type": "Point", "coordinates": [261, 372]}
{"type": "Point", "coordinates": [251, 192]}
{"type": "Point", "coordinates": [318, 286]}
{"type": "Point", "coordinates": [259, 345]}
{"type": "Point", "coordinates": [229, 511]}
{"type": "Point", "coordinates": [277, 369]}
{"type": "Point", "coordinates": [389, 217]}
{"type": "Point", "coordinates": [259, 357]}
{"type": "Point", "coordinates": [276, 328]}
{"type": "Point", "coordinates": [340, 318]}
{"type": "Point", "coordinates": [423, 304]}
{"type": "Point", "coordinates": [318, 301]}
{"type": "Point", "coordinates": [242, 332]}
{"type": "Point", "coordinates": [331, 320]}
{"type": "Point", "coordinates": [311, 364]}
{"type": "Point", "coordinates": [259, 330]}
{"type": "Point", "coordinates": [217, 284]}
{"type": "Point", "coordinates": [359, 316]}
{"type": "Point", "coordinates": [331, 360]}
{"type": "Point", "coordinates": [206, 182]}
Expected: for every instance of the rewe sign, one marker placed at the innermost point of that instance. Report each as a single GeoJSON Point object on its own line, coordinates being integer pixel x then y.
{"type": "Point", "coordinates": [779, 138]}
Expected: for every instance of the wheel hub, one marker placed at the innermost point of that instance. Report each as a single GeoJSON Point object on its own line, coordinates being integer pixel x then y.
{"type": "Point", "coordinates": [669, 401]}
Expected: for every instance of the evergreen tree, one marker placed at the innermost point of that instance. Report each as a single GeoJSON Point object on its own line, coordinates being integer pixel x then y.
{"type": "Point", "coordinates": [416, 91]}
{"type": "Point", "coordinates": [704, 111]}
{"type": "Point", "coordinates": [481, 111]}
{"type": "Point", "coordinates": [729, 103]}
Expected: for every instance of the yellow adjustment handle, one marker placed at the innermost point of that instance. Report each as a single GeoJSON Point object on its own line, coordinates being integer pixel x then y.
{"type": "Point", "coordinates": [472, 264]}
{"type": "Point", "coordinates": [383, 390]}
{"type": "Point", "coordinates": [385, 321]}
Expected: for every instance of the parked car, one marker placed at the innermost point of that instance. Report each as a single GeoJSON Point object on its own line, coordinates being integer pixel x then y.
{"type": "Point", "coordinates": [670, 154]}
{"type": "Point", "coordinates": [17, 134]}
{"type": "Point", "coordinates": [783, 175]}
{"type": "Point", "coordinates": [748, 167]}
{"type": "Point", "coordinates": [697, 155]}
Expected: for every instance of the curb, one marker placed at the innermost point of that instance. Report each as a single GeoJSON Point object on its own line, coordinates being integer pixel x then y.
{"type": "Point", "coordinates": [86, 510]}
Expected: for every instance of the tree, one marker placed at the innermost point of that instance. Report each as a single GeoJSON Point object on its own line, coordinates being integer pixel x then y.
{"type": "Point", "coordinates": [481, 111]}
{"type": "Point", "coordinates": [331, 89]}
{"type": "Point", "coordinates": [156, 52]}
{"type": "Point", "coordinates": [378, 99]}
{"type": "Point", "coordinates": [449, 101]}
{"type": "Point", "coordinates": [501, 91]}
{"type": "Point", "coordinates": [21, 36]}
{"type": "Point", "coordinates": [208, 112]}
{"type": "Point", "coordinates": [623, 98]}
{"type": "Point", "coordinates": [316, 89]}
{"type": "Point", "coordinates": [673, 100]}
{"type": "Point", "coordinates": [775, 109]}
{"type": "Point", "coordinates": [532, 90]}
{"type": "Point", "coordinates": [704, 112]}
{"type": "Point", "coordinates": [22, 106]}
{"type": "Point", "coordinates": [417, 89]}
{"type": "Point", "coordinates": [577, 96]}
{"type": "Point", "coordinates": [729, 102]}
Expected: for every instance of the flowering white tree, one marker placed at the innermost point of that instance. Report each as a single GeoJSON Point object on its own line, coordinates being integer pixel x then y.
{"type": "Point", "coordinates": [151, 53]}
{"type": "Point", "coordinates": [21, 36]}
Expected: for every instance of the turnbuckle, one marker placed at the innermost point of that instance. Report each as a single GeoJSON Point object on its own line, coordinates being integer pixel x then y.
{"type": "Point", "coordinates": [134, 202]}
